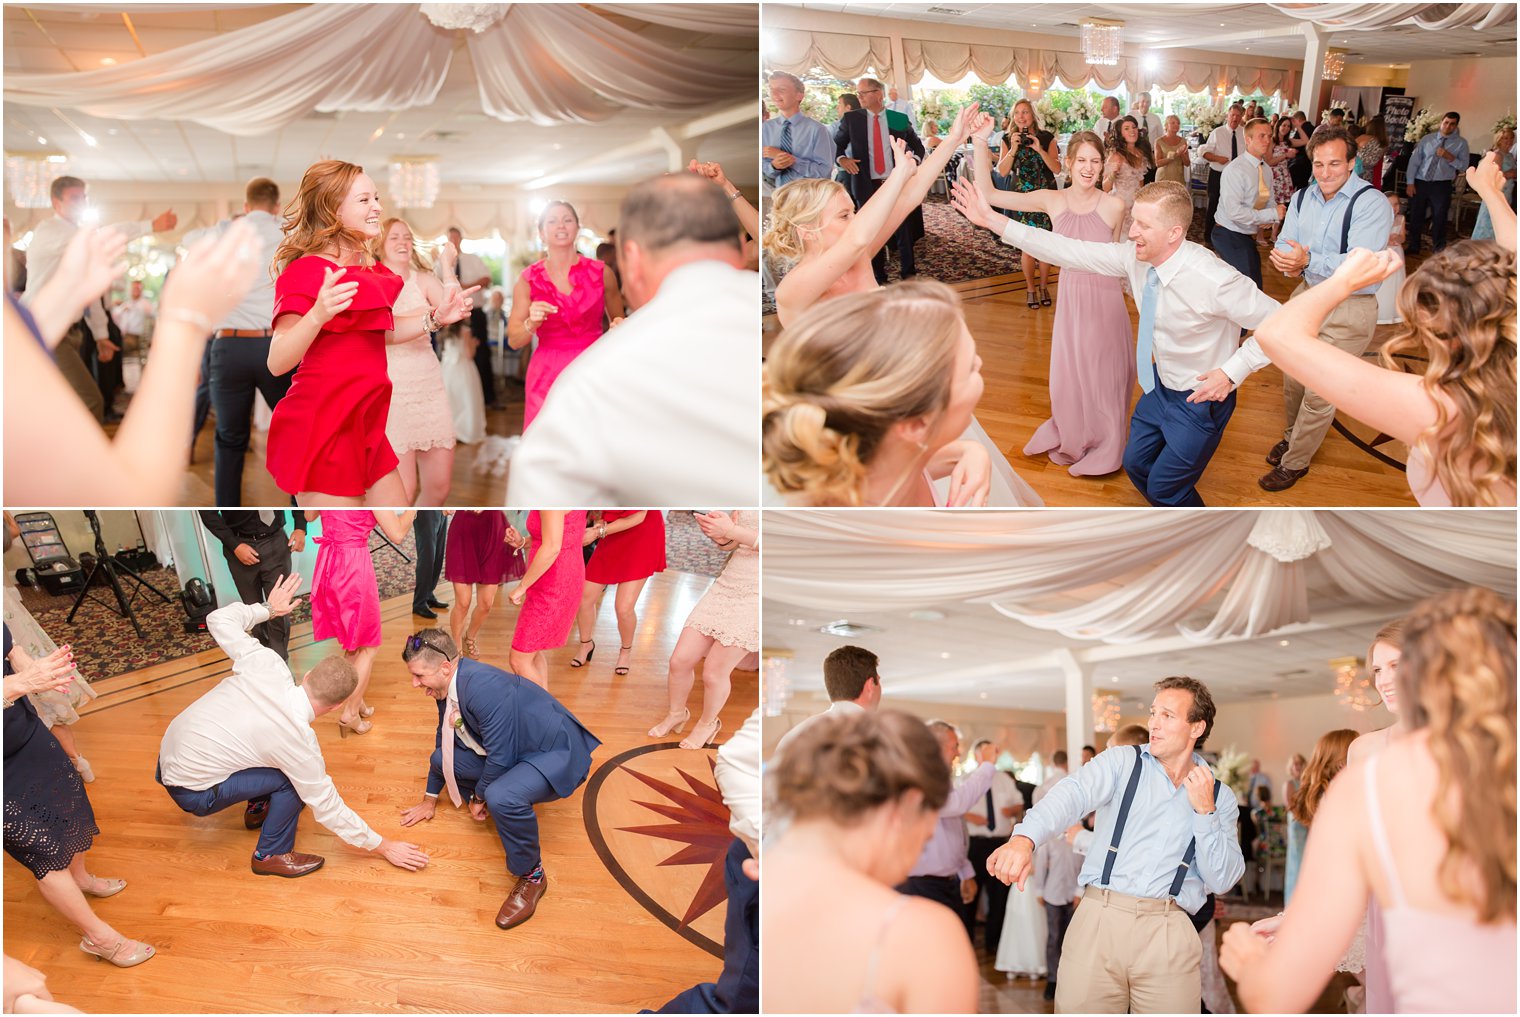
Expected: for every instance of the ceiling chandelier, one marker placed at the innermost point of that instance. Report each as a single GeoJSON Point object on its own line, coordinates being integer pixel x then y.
{"type": "Point", "coordinates": [414, 182]}
{"type": "Point", "coordinates": [1100, 41]}
{"type": "Point", "coordinates": [30, 176]}
{"type": "Point", "coordinates": [1353, 687]}
{"type": "Point", "coordinates": [1105, 711]}
{"type": "Point", "coordinates": [1335, 62]}
{"type": "Point", "coordinates": [775, 685]}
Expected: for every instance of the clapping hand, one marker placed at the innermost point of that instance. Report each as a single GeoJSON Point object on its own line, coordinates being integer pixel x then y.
{"type": "Point", "coordinates": [1291, 262]}
{"type": "Point", "coordinates": [448, 254]}
{"type": "Point", "coordinates": [903, 161]}
{"type": "Point", "coordinates": [52, 673]}
{"type": "Point", "coordinates": [960, 129]}
{"type": "Point", "coordinates": [1486, 178]}
{"type": "Point", "coordinates": [981, 126]}
{"type": "Point", "coordinates": [1362, 268]}
{"type": "Point", "coordinates": [282, 599]}
{"type": "Point", "coordinates": [456, 305]}
{"type": "Point", "coordinates": [968, 201]}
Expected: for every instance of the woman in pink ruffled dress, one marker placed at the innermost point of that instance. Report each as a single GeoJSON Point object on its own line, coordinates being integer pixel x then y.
{"type": "Point", "coordinates": [561, 301]}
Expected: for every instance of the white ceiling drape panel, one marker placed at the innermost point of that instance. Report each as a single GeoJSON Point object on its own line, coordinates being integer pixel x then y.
{"type": "Point", "coordinates": [1436, 17]}
{"type": "Point", "coordinates": [1134, 576]}
{"type": "Point", "coordinates": [719, 19]}
{"type": "Point", "coordinates": [547, 63]}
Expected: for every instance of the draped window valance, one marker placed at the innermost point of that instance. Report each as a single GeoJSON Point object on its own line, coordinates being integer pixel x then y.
{"type": "Point", "coordinates": [544, 63]}
{"type": "Point", "coordinates": [846, 56]}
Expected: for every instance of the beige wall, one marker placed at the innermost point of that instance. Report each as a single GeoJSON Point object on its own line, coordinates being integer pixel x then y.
{"type": "Point", "coordinates": [1481, 90]}
{"type": "Point", "coordinates": [1367, 75]}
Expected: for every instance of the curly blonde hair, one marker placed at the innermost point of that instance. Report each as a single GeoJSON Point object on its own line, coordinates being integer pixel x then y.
{"type": "Point", "coordinates": [796, 208]}
{"type": "Point", "coordinates": [311, 218]}
{"type": "Point", "coordinates": [843, 374]}
{"type": "Point", "coordinates": [1458, 678]}
{"type": "Point", "coordinates": [1459, 316]}
{"type": "Point", "coordinates": [377, 244]}
{"type": "Point", "coordinates": [1329, 759]}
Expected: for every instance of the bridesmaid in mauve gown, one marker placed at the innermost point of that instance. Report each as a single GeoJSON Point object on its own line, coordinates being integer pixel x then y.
{"type": "Point", "coordinates": [345, 596]}
{"type": "Point", "coordinates": [550, 591]}
{"type": "Point", "coordinates": [561, 301]}
{"type": "Point", "coordinates": [480, 553]}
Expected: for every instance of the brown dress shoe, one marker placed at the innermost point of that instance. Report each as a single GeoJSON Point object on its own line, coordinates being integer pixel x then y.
{"type": "Point", "coordinates": [1274, 457]}
{"type": "Point", "coordinates": [290, 865]}
{"type": "Point", "coordinates": [521, 902]}
{"type": "Point", "coordinates": [1281, 478]}
{"type": "Point", "coordinates": [253, 815]}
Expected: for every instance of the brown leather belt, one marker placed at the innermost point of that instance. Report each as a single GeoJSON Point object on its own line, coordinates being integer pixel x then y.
{"type": "Point", "coordinates": [243, 333]}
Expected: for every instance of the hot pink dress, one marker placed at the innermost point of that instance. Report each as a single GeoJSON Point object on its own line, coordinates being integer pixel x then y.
{"type": "Point", "coordinates": [549, 609]}
{"type": "Point", "coordinates": [1092, 364]}
{"type": "Point", "coordinates": [565, 334]}
{"type": "Point", "coordinates": [345, 597]}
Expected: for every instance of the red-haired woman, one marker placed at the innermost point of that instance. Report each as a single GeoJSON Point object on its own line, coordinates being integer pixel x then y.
{"type": "Point", "coordinates": [332, 320]}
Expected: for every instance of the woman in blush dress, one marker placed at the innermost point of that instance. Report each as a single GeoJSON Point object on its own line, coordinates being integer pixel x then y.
{"type": "Point", "coordinates": [345, 597]}
{"type": "Point", "coordinates": [420, 428]}
{"type": "Point", "coordinates": [562, 301]}
{"type": "Point", "coordinates": [1426, 827]}
{"type": "Point", "coordinates": [721, 630]}
{"type": "Point", "coordinates": [1092, 353]}
{"type": "Point", "coordinates": [333, 318]}
{"type": "Point", "coordinates": [550, 591]}
{"type": "Point", "coordinates": [1127, 164]}
{"type": "Point", "coordinates": [480, 553]}
{"type": "Point", "coordinates": [630, 548]}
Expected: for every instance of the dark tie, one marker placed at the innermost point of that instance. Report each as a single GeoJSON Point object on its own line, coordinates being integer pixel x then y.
{"type": "Point", "coordinates": [991, 819]}
{"type": "Point", "coordinates": [1234, 150]}
{"type": "Point", "coordinates": [786, 146]}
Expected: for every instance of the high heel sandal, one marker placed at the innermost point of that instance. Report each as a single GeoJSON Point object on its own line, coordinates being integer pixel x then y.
{"type": "Point", "coordinates": [111, 887]}
{"type": "Point", "coordinates": [358, 727]}
{"type": "Point", "coordinates": [366, 711]}
{"type": "Point", "coordinates": [1033, 300]}
{"type": "Point", "coordinates": [583, 661]}
{"type": "Point", "coordinates": [127, 953]}
{"type": "Point", "coordinates": [691, 742]}
{"type": "Point", "coordinates": [621, 668]}
{"type": "Point", "coordinates": [1044, 297]}
{"type": "Point", "coordinates": [471, 649]}
{"type": "Point", "coordinates": [668, 726]}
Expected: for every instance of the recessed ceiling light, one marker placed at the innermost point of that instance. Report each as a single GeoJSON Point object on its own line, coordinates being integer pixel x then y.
{"type": "Point", "coordinates": [982, 695]}
{"type": "Point", "coordinates": [944, 656]}
{"type": "Point", "coordinates": [41, 140]}
{"type": "Point", "coordinates": [1282, 642]}
{"type": "Point", "coordinates": [107, 61]}
{"type": "Point", "coordinates": [1115, 679]}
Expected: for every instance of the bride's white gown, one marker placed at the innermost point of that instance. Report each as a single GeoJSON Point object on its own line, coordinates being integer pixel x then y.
{"type": "Point", "coordinates": [462, 383]}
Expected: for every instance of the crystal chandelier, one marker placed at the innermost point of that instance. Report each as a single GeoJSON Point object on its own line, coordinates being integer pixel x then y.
{"type": "Point", "coordinates": [30, 177]}
{"type": "Point", "coordinates": [1335, 62]}
{"type": "Point", "coordinates": [776, 686]}
{"type": "Point", "coordinates": [414, 183]}
{"type": "Point", "coordinates": [1100, 41]}
{"type": "Point", "coordinates": [1105, 711]}
{"type": "Point", "coordinates": [1353, 687]}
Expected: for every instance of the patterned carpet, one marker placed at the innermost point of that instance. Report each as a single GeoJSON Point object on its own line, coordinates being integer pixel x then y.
{"type": "Point", "coordinates": [106, 645]}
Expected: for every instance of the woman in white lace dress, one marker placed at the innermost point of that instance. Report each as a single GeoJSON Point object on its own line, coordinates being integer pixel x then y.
{"type": "Point", "coordinates": [721, 630]}
{"type": "Point", "coordinates": [419, 427]}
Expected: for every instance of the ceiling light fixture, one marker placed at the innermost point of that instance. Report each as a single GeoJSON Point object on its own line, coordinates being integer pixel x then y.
{"type": "Point", "coordinates": [1335, 63]}
{"type": "Point", "coordinates": [414, 182]}
{"type": "Point", "coordinates": [1100, 41]}
{"type": "Point", "coordinates": [1353, 687]}
{"type": "Point", "coordinates": [30, 176]}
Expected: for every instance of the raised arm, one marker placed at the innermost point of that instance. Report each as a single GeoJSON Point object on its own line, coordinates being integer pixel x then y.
{"type": "Point", "coordinates": [1027, 201]}
{"type": "Point", "coordinates": [1101, 258]}
{"type": "Point", "coordinates": [917, 190]}
{"type": "Point", "coordinates": [1394, 403]}
{"type": "Point", "coordinates": [1487, 179]}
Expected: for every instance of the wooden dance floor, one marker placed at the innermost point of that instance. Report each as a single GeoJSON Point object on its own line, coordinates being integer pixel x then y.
{"type": "Point", "coordinates": [632, 916]}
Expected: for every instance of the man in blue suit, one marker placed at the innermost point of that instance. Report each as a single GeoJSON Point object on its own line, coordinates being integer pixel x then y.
{"type": "Point", "coordinates": [510, 746]}
{"type": "Point", "coordinates": [863, 149]}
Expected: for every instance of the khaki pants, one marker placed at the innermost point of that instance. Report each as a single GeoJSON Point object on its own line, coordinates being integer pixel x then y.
{"type": "Point", "coordinates": [72, 365]}
{"type": "Point", "coordinates": [1128, 954]}
{"type": "Point", "coordinates": [1309, 416]}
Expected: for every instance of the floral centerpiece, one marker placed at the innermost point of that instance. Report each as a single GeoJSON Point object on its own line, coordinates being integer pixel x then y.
{"type": "Point", "coordinates": [1206, 120]}
{"type": "Point", "coordinates": [1232, 771]}
{"type": "Point", "coordinates": [1504, 123]}
{"type": "Point", "coordinates": [1080, 115]}
{"type": "Point", "coordinates": [1421, 124]}
{"type": "Point", "coordinates": [1050, 117]}
{"type": "Point", "coordinates": [1324, 116]}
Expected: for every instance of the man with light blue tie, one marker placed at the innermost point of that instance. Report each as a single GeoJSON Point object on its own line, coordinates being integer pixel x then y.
{"type": "Point", "coordinates": [1188, 356]}
{"type": "Point", "coordinates": [1338, 211]}
{"type": "Point", "coordinates": [1437, 159]}
{"type": "Point", "coordinates": [795, 146]}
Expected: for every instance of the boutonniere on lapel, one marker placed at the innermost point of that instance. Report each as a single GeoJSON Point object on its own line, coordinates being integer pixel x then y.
{"type": "Point", "coordinates": [459, 723]}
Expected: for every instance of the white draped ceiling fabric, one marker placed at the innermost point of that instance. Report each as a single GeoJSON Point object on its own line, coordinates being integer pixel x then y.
{"type": "Point", "coordinates": [1135, 575]}
{"type": "Point", "coordinates": [545, 63]}
{"type": "Point", "coordinates": [1436, 17]}
{"type": "Point", "coordinates": [846, 56]}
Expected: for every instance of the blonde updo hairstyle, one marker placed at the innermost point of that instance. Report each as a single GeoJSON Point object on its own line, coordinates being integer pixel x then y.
{"type": "Point", "coordinates": [844, 373]}
{"type": "Point", "coordinates": [1459, 317]}
{"type": "Point", "coordinates": [842, 768]}
{"type": "Point", "coordinates": [1457, 683]}
{"type": "Point", "coordinates": [797, 208]}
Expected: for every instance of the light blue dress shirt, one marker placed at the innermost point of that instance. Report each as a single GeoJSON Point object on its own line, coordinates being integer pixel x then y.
{"type": "Point", "coordinates": [1424, 164]}
{"type": "Point", "coordinates": [1156, 834]}
{"type": "Point", "coordinates": [1318, 223]}
{"type": "Point", "coordinates": [811, 144]}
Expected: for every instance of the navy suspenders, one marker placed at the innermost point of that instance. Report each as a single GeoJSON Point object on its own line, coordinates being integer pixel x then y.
{"type": "Point", "coordinates": [1124, 806]}
{"type": "Point", "coordinates": [1298, 206]}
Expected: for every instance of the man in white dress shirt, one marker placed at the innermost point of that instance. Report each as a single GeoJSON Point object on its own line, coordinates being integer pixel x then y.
{"type": "Point", "coordinates": [1192, 307]}
{"type": "Point", "coordinates": [134, 316]}
{"type": "Point", "coordinates": [903, 106]}
{"type": "Point", "coordinates": [854, 686]}
{"type": "Point", "coordinates": [989, 824]}
{"type": "Point", "coordinates": [1105, 123]}
{"type": "Point", "coordinates": [49, 238]}
{"type": "Point", "coordinates": [1150, 128]}
{"type": "Point", "coordinates": [250, 740]}
{"type": "Point", "coordinates": [1224, 146]}
{"type": "Point", "coordinates": [665, 408]}
{"type": "Point", "coordinates": [1245, 204]}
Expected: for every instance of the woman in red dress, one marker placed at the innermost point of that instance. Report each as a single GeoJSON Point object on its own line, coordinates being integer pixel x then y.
{"type": "Point", "coordinates": [332, 321]}
{"type": "Point", "coordinates": [631, 549]}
